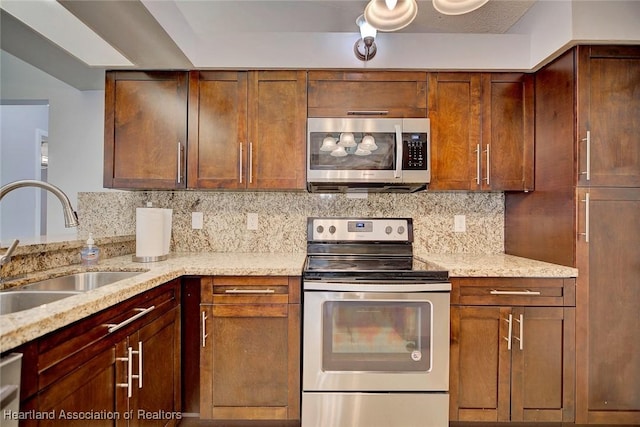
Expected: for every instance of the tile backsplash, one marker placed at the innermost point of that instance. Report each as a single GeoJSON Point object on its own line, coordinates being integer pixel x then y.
{"type": "Point", "coordinates": [282, 218]}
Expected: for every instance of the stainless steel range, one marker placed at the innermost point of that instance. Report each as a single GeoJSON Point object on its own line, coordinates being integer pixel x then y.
{"type": "Point", "coordinates": [376, 328]}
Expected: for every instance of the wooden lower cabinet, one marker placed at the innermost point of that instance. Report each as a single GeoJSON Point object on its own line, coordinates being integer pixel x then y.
{"type": "Point", "coordinates": [129, 376]}
{"type": "Point", "coordinates": [512, 363]}
{"type": "Point", "coordinates": [250, 356]}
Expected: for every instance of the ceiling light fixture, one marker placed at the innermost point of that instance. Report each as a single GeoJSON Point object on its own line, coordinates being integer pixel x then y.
{"type": "Point", "coordinates": [457, 7]}
{"type": "Point", "coordinates": [390, 15]}
{"type": "Point", "coordinates": [365, 47]}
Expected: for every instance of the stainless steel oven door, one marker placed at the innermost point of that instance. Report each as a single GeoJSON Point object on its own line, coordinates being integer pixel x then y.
{"type": "Point", "coordinates": [376, 341]}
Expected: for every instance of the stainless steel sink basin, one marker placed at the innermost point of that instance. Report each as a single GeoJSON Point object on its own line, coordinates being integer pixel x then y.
{"type": "Point", "coordinates": [14, 301]}
{"type": "Point", "coordinates": [80, 282]}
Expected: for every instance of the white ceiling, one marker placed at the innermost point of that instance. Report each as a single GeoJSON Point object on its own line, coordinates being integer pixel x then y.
{"type": "Point", "coordinates": [187, 34]}
{"type": "Point", "coordinates": [180, 34]}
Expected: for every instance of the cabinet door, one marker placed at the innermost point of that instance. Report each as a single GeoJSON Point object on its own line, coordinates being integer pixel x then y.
{"type": "Point", "coordinates": [454, 110]}
{"type": "Point", "coordinates": [608, 297]}
{"type": "Point", "coordinates": [543, 361]}
{"type": "Point", "coordinates": [156, 398]}
{"type": "Point", "coordinates": [608, 116]}
{"type": "Point", "coordinates": [277, 130]}
{"type": "Point", "coordinates": [480, 364]}
{"type": "Point", "coordinates": [507, 131]}
{"type": "Point", "coordinates": [145, 130]}
{"type": "Point", "coordinates": [218, 142]}
{"type": "Point", "coordinates": [89, 389]}
{"type": "Point", "coordinates": [367, 93]}
{"type": "Point", "coordinates": [246, 353]}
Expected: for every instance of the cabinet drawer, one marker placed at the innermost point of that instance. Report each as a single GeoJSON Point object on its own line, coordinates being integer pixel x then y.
{"type": "Point", "coordinates": [65, 350]}
{"type": "Point", "coordinates": [246, 290]}
{"type": "Point", "coordinates": [513, 291]}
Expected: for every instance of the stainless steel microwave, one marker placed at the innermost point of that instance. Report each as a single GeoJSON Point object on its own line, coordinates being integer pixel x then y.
{"type": "Point", "coordinates": [368, 154]}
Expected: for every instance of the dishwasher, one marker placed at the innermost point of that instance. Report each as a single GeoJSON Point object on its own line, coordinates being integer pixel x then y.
{"type": "Point", "coordinates": [10, 366]}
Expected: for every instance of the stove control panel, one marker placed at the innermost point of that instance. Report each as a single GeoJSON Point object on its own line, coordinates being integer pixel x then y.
{"type": "Point", "coordinates": [360, 229]}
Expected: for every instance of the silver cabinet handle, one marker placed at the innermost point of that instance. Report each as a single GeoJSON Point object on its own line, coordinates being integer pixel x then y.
{"type": "Point", "coordinates": [520, 338]}
{"type": "Point", "coordinates": [588, 141]}
{"type": "Point", "coordinates": [178, 175]}
{"type": "Point", "coordinates": [179, 162]}
{"type": "Point", "coordinates": [508, 337]}
{"type": "Point", "coordinates": [488, 164]}
{"type": "Point", "coordinates": [398, 172]}
{"type": "Point", "coordinates": [129, 383]}
{"type": "Point", "coordinates": [139, 353]}
{"type": "Point", "coordinates": [249, 291]}
{"type": "Point", "coordinates": [240, 163]}
{"type": "Point", "coordinates": [143, 311]}
{"type": "Point", "coordinates": [367, 113]}
{"type": "Point", "coordinates": [250, 163]}
{"type": "Point", "coordinates": [586, 201]}
{"type": "Point", "coordinates": [478, 169]}
{"type": "Point", "coordinates": [526, 292]}
{"type": "Point", "coordinates": [204, 329]}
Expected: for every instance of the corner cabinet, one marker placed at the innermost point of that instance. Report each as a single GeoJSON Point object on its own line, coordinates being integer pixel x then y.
{"type": "Point", "coordinates": [512, 350]}
{"type": "Point", "coordinates": [247, 130]}
{"type": "Point", "coordinates": [120, 366]}
{"type": "Point", "coordinates": [145, 130]}
{"type": "Point", "coordinates": [586, 216]}
{"type": "Point", "coordinates": [481, 131]}
{"type": "Point", "coordinates": [250, 348]}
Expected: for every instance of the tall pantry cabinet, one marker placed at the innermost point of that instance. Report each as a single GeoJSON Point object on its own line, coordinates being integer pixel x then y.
{"type": "Point", "coordinates": [585, 213]}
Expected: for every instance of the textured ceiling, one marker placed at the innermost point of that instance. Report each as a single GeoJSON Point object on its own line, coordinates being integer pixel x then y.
{"type": "Point", "coordinates": [147, 31]}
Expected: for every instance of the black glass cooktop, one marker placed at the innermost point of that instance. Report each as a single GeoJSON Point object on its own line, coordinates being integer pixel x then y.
{"type": "Point", "coordinates": [329, 267]}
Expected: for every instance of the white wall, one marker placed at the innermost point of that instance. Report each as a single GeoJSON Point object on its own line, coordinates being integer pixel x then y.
{"type": "Point", "coordinates": [76, 131]}
{"type": "Point", "coordinates": [20, 159]}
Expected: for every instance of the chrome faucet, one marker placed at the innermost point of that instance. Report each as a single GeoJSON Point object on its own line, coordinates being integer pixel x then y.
{"type": "Point", "coordinates": [70, 216]}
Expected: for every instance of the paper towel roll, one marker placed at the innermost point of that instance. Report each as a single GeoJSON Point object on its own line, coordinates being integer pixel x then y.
{"type": "Point", "coordinates": [153, 234]}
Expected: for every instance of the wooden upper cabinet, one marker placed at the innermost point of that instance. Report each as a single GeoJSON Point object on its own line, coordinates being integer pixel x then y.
{"type": "Point", "coordinates": [608, 116]}
{"type": "Point", "coordinates": [367, 94]}
{"type": "Point", "coordinates": [145, 129]}
{"type": "Point", "coordinates": [247, 130]}
{"type": "Point", "coordinates": [454, 112]}
{"type": "Point", "coordinates": [507, 131]}
{"type": "Point", "coordinates": [481, 131]}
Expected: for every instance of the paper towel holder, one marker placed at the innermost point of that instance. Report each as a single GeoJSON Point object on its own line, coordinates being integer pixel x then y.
{"type": "Point", "coordinates": [149, 258]}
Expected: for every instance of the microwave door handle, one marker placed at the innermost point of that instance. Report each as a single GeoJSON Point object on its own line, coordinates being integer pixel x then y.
{"type": "Point", "coordinates": [398, 172]}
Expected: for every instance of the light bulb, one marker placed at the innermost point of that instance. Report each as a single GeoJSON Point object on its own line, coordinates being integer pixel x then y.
{"type": "Point", "coordinates": [391, 4]}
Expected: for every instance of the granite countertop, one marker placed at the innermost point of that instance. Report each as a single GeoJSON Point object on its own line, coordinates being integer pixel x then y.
{"type": "Point", "coordinates": [21, 327]}
{"type": "Point", "coordinates": [493, 265]}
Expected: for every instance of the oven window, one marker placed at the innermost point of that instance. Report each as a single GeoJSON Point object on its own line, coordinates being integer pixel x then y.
{"type": "Point", "coordinates": [371, 151]}
{"type": "Point", "coordinates": [376, 336]}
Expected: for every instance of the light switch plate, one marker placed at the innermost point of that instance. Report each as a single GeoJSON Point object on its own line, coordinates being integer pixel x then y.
{"type": "Point", "coordinates": [459, 223]}
{"type": "Point", "coordinates": [252, 221]}
{"type": "Point", "coordinates": [197, 220]}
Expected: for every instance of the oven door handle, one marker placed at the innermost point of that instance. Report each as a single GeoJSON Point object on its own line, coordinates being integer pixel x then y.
{"type": "Point", "coordinates": [376, 287]}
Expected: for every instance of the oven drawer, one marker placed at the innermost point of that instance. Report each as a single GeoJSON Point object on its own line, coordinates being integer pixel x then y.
{"type": "Point", "coordinates": [250, 290]}
{"type": "Point", "coordinates": [547, 292]}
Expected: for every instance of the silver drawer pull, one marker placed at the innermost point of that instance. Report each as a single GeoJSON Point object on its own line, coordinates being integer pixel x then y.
{"type": "Point", "coordinates": [527, 292]}
{"type": "Point", "coordinates": [249, 291]}
{"type": "Point", "coordinates": [143, 311]}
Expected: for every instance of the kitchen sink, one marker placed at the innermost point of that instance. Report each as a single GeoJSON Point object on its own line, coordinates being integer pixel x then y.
{"type": "Point", "coordinates": [57, 288]}
{"type": "Point", "coordinates": [11, 302]}
{"type": "Point", "coordinates": [80, 282]}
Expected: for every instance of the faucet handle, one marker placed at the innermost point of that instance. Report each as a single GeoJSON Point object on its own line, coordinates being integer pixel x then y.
{"type": "Point", "coordinates": [4, 259]}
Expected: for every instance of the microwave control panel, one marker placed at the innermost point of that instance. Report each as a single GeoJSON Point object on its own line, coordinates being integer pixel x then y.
{"type": "Point", "coordinates": [414, 151]}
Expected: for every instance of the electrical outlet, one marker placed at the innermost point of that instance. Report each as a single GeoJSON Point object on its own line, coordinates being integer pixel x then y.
{"type": "Point", "coordinates": [252, 221]}
{"type": "Point", "coordinates": [197, 220]}
{"type": "Point", "coordinates": [459, 223]}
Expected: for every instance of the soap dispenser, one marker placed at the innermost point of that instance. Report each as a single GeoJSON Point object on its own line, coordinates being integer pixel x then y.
{"type": "Point", "coordinates": [90, 252]}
